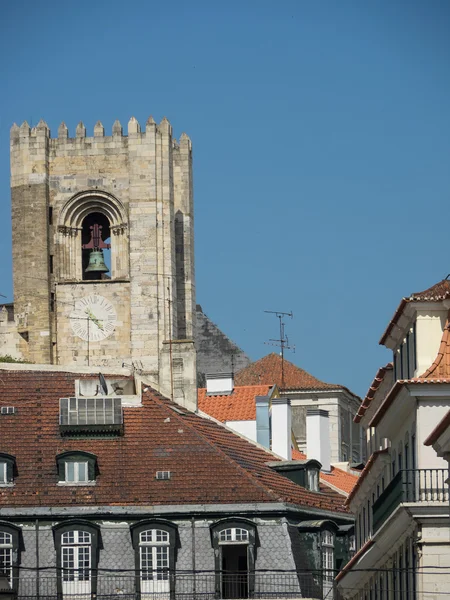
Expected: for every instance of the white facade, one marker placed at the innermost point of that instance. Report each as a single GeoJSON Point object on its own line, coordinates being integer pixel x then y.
{"type": "Point", "coordinates": [401, 503]}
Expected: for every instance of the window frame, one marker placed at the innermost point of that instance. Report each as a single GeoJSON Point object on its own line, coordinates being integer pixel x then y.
{"type": "Point", "coordinates": [16, 549]}
{"type": "Point", "coordinates": [8, 466]}
{"type": "Point", "coordinates": [77, 457]}
{"type": "Point", "coordinates": [77, 525]}
{"type": "Point", "coordinates": [173, 544]}
{"type": "Point", "coordinates": [327, 554]}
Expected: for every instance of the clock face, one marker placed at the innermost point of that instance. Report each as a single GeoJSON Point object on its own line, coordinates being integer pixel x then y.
{"type": "Point", "coordinates": [93, 318]}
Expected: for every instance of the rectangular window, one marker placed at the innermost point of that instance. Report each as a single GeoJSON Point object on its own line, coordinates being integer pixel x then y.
{"type": "Point", "coordinates": [76, 472]}
{"type": "Point", "coordinates": [50, 215]}
{"type": "Point", "coordinates": [90, 411]}
{"type": "Point", "coordinates": [51, 263]}
{"type": "Point", "coordinates": [3, 472]}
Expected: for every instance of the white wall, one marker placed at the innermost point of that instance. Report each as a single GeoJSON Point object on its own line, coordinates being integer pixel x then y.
{"type": "Point", "coordinates": [247, 428]}
{"type": "Point", "coordinates": [429, 413]}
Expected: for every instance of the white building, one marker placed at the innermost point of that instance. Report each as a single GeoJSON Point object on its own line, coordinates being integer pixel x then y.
{"type": "Point", "coordinates": [401, 502]}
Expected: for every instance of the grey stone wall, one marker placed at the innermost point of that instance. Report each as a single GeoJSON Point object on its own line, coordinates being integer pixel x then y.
{"type": "Point", "coordinates": [216, 353]}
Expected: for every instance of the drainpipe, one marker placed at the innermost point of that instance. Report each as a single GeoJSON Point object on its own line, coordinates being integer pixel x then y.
{"type": "Point", "coordinates": [194, 582]}
{"type": "Point", "coordinates": [37, 558]}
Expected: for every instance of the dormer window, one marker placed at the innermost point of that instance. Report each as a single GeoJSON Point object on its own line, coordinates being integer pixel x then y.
{"type": "Point", "coordinates": [76, 468]}
{"type": "Point", "coordinates": [7, 463]}
{"type": "Point", "coordinates": [99, 416]}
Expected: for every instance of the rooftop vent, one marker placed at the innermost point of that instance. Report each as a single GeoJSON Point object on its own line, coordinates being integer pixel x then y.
{"type": "Point", "coordinates": [162, 474]}
{"type": "Point", "coordinates": [219, 384]}
{"type": "Point", "coordinates": [8, 410]}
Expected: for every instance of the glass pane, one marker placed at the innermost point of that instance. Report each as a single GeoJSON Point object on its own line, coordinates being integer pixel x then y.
{"type": "Point", "coordinates": [82, 471]}
{"type": "Point", "coordinates": [3, 472]}
{"type": "Point", "coordinates": [68, 537]}
{"type": "Point", "coordinates": [70, 471]}
{"type": "Point", "coordinates": [5, 539]}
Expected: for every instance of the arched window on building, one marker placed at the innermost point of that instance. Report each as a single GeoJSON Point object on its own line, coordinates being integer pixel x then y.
{"type": "Point", "coordinates": [77, 546]}
{"type": "Point", "coordinates": [10, 547]}
{"type": "Point", "coordinates": [96, 247]}
{"type": "Point", "coordinates": [155, 544]}
{"type": "Point", "coordinates": [234, 542]}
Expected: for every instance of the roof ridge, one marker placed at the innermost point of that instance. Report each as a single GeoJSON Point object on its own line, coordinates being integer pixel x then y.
{"type": "Point", "coordinates": [218, 450]}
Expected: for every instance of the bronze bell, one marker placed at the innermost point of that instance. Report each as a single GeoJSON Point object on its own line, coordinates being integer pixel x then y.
{"type": "Point", "coordinates": [96, 263]}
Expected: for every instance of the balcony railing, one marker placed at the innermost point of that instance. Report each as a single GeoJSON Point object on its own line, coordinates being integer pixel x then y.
{"type": "Point", "coordinates": [204, 585]}
{"type": "Point", "coordinates": [411, 485]}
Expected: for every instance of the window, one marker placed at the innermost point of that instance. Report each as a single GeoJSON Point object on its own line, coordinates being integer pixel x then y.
{"type": "Point", "coordinates": [10, 536]}
{"type": "Point", "coordinates": [327, 561]}
{"type": "Point", "coordinates": [6, 554]}
{"type": "Point", "coordinates": [77, 544]}
{"type": "Point", "coordinates": [7, 466]}
{"type": "Point", "coordinates": [90, 415]}
{"type": "Point", "coordinates": [76, 467]}
{"type": "Point", "coordinates": [313, 480]}
{"type": "Point", "coordinates": [76, 472]}
{"type": "Point", "coordinates": [155, 544]}
{"type": "Point", "coordinates": [234, 551]}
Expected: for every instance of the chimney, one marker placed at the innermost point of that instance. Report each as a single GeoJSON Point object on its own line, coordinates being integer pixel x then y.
{"type": "Point", "coordinates": [318, 437]}
{"type": "Point", "coordinates": [219, 384]}
{"type": "Point", "coordinates": [262, 421]}
{"type": "Point", "coordinates": [281, 427]}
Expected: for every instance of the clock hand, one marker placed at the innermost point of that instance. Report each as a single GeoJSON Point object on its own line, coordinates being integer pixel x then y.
{"type": "Point", "coordinates": [93, 318]}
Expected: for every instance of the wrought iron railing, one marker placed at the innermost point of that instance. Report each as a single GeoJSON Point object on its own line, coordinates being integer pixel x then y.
{"type": "Point", "coordinates": [204, 585]}
{"type": "Point", "coordinates": [411, 485]}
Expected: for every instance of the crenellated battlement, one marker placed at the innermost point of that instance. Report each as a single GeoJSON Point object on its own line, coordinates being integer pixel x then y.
{"type": "Point", "coordinates": [26, 134]}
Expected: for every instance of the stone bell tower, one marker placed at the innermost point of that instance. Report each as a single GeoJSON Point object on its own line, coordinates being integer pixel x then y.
{"type": "Point", "coordinates": [103, 257]}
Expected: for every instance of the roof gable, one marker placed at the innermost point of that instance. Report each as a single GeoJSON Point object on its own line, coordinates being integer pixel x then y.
{"type": "Point", "coordinates": [267, 370]}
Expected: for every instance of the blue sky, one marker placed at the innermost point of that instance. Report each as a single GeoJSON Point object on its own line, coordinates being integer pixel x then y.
{"type": "Point", "coordinates": [321, 144]}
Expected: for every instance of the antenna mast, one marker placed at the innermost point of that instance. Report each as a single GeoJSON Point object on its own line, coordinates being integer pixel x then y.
{"type": "Point", "coordinates": [283, 341]}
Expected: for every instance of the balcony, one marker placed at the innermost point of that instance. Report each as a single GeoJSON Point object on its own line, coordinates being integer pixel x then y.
{"type": "Point", "coordinates": [411, 485]}
{"type": "Point", "coordinates": [180, 585]}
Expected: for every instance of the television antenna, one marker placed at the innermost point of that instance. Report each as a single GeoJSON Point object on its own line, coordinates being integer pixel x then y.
{"type": "Point", "coordinates": [283, 341]}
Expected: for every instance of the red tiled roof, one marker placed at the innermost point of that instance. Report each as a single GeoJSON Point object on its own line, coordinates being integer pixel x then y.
{"type": "Point", "coordinates": [379, 377]}
{"type": "Point", "coordinates": [240, 405]}
{"type": "Point", "coordinates": [208, 463]}
{"type": "Point", "coordinates": [438, 430]}
{"type": "Point", "coordinates": [340, 479]}
{"type": "Point", "coordinates": [437, 292]}
{"type": "Point", "coordinates": [268, 370]}
{"type": "Point", "coordinates": [337, 477]}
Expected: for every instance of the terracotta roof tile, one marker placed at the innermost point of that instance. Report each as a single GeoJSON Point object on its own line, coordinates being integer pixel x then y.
{"type": "Point", "coordinates": [340, 479]}
{"type": "Point", "coordinates": [378, 380]}
{"type": "Point", "coordinates": [240, 405]}
{"type": "Point", "coordinates": [268, 370]}
{"type": "Point", "coordinates": [208, 463]}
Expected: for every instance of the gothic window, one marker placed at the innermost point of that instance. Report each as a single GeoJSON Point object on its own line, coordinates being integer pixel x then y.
{"type": "Point", "coordinates": [155, 544]}
{"type": "Point", "coordinates": [77, 545]}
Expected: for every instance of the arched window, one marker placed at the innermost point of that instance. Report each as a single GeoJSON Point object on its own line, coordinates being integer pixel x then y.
{"type": "Point", "coordinates": [234, 542]}
{"type": "Point", "coordinates": [155, 545]}
{"type": "Point", "coordinates": [96, 244]}
{"type": "Point", "coordinates": [77, 545]}
{"type": "Point", "coordinates": [10, 547]}
{"type": "Point", "coordinates": [6, 554]}
{"type": "Point", "coordinates": [76, 468]}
